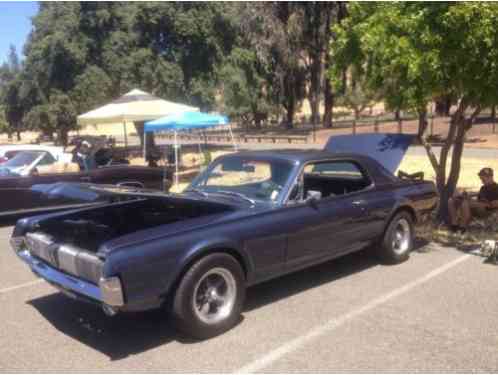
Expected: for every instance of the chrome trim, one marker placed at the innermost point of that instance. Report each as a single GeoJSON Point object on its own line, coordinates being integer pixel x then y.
{"type": "Point", "coordinates": [41, 244]}
{"type": "Point", "coordinates": [60, 279]}
{"type": "Point", "coordinates": [112, 292]}
{"type": "Point", "coordinates": [67, 259]}
{"type": "Point", "coordinates": [17, 243]}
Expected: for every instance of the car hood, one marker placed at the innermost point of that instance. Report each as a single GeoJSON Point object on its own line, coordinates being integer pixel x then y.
{"type": "Point", "coordinates": [386, 148]}
{"type": "Point", "coordinates": [100, 193]}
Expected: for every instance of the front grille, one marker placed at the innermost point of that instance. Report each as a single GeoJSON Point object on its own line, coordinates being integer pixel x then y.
{"type": "Point", "coordinates": [42, 246]}
{"type": "Point", "coordinates": [68, 258]}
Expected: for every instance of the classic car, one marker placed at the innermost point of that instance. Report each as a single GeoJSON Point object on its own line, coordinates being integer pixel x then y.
{"type": "Point", "coordinates": [21, 177]}
{"type": "Point", "coordinates": [9, 151]}
{"type": "Point", "coordinates": [249, 217]}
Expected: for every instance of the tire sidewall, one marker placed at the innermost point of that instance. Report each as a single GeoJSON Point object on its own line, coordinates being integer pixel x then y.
{"type": "Point", "coordinates": [387, 252]}
{"type": "Point", "coordinates": [186, 318]}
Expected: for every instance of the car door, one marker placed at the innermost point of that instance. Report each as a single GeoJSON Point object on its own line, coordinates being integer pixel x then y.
{"type": "Point", "coordinates": [333, 225]}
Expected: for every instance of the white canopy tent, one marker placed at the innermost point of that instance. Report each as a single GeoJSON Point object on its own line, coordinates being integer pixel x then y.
{"type": "Point", "coordinates": [136, 105]}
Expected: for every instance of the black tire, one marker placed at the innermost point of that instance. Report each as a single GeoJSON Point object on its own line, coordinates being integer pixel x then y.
{"type": "Point", "coordinates": [391, 250]}
{"type": "Point", "coordinates": [189, 316]}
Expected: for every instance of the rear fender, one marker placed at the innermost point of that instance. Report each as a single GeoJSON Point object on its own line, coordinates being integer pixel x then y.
{"type": "Point", "coordinates": [403, 205]}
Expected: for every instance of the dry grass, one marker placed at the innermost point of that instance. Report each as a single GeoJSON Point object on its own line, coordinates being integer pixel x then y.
{"type": "Point", "coordinates": [468, 173]}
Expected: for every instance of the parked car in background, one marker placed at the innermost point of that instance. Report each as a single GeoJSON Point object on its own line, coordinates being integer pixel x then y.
{"type": "Point", "coordinates": [9, 151]}
{"type": "Point", "coordinates": [22, 180]}
{"type": "Point", "coordinates": [249, 217]}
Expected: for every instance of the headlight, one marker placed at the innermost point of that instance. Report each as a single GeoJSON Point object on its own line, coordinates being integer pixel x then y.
{"type": "Point", "coordinates": [17, 243]}
{"type": "Point", "coordinates": [112, 292]}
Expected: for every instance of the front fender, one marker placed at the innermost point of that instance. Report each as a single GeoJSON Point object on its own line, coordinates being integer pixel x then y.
{"type": "Point", "coordinates": [211, 245]}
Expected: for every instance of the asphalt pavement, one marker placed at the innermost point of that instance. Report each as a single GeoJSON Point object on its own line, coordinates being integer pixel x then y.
{"type": "Point", "coordinates": [437, 312]}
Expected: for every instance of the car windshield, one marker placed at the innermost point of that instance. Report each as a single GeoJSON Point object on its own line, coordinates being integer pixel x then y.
{"type": "Point", "coordinates": [22, 159]}
{"type": "Point", "coordinates": [244, 178]}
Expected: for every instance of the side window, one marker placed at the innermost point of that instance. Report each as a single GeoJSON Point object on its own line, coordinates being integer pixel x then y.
{"type": "Point", "coordinates": [47, 159]}
{"type": "Point", "coordinates": [329, 179]}
{"type": "Point", "coordinates": [11, 154]}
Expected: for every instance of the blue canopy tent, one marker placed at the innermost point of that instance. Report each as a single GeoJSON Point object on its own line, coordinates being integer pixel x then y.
{"type": "Point", "coordinates": [186, 121]}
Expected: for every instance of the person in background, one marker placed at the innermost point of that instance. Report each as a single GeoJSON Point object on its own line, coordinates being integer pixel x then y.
{"type": "Point", "coordinates": [462, 208]}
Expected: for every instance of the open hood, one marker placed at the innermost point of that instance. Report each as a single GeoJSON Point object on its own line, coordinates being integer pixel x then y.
{"type": "Point", "coordinates": [388, 149]}
{"type": "Point", "coordinates": [91, 192]}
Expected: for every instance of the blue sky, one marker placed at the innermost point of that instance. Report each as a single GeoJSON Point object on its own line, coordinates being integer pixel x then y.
{"type": "Point", "coordinates": [15, 25]}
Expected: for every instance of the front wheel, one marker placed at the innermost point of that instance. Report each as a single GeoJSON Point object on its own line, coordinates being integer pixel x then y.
{"type": "Point", "coordinates": [398, 239]}
{"type": "Point", "coordinates": [210, 296]}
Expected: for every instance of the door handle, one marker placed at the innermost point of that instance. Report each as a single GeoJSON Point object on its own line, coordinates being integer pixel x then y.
{"type": "Point", "coordinates": [360, 204]}
{"type": "Point", "coordinates": [85, 178]}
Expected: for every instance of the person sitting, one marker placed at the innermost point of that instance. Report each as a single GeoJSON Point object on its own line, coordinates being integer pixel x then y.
{"type": "Point", "coordinates": [462, 208]}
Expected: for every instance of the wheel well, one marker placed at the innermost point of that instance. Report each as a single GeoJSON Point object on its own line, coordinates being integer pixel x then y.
{"type": "Point", "coordinates": [408, 209]}
{"type": "Point", "coordinates": [203, 254]}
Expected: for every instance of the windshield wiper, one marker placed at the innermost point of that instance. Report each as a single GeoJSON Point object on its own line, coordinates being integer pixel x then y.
{"type": "Point", "coordinates": [198, 191]}
{"type": "Point", "coordinates": [234, 193]}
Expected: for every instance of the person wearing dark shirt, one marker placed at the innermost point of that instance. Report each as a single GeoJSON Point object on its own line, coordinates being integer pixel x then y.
{"type": "Point", "coordinates": [462, 208]}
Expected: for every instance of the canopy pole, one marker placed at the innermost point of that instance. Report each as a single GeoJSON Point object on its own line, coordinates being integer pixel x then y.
{"type": "Point", "coordinates": [125, 135]}
{"type": "Point", "coordinates": [233, 139]}
{"type": "Point", "coordinates": [176, 160]}
{"type": "Point", "coordinates": [145, 145]}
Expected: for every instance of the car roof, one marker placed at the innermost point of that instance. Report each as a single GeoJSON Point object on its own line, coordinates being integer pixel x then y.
{"type": "Point", "coordinates": [33, 147]}
{"type": "Point", "coordinates": [298, 156]}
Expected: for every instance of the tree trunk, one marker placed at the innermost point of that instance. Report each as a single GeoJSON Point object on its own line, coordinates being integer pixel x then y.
{"type": "Point", "coordinates": [422, 122]}
{"type": "Point", "coordinates": [62, 136]}
{"type": "Point", "coordinates": [356, 114]}
{"type": "Point", "coordinates": [329, 105]}
{"type": "Point", "coordinates": [314, 98]}
{"type": "Point", "coordinates": [397, 115]}
{"type": "Point", "coordinates": [290, 107]}
{"type": "Point", "coordinates": [258, 118]}
{"type": "Point", "coordinates": [493, 118]}
{"type": "Point", "coordinates": [18, 134]}
{"type": "Point", "coordinates": [459, 127]}
{"type": "Point", "coordinates": [289, 124]}
{"type": "Point", "coordinates": [443, 105]}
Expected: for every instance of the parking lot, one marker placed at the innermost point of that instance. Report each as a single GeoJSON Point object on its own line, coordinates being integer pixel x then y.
{"type": "Point", "coordinates": [436, 312]}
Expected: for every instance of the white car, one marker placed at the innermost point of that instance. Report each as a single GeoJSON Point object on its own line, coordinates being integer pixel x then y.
{"type": "Point", "coordinates": [9, 151]}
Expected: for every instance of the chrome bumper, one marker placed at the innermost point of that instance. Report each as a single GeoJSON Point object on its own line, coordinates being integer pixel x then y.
{"type": "Point", "coordinates": [109, 290]}
{"type": "Point", "coordinates": [60, 279]}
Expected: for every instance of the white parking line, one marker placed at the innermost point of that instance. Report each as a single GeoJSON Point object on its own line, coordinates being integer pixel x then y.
{"type": "Point", "coordinates": [15, 287]}
{"type": "Point", "coordinates": [332, 324]}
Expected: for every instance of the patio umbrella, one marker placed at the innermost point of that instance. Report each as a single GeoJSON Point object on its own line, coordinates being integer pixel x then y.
{"type": "Point", "coordinates": [186, 121]}
{"type": "Point", "coordinates": [136, 105]}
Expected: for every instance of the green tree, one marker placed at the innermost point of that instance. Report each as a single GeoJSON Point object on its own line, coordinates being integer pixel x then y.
{"type": "Point", "coordinates": [413, 52]}
{"type": "Point", "coordinates": [245, 92]}
{"type": "Point", "coordinates": [62, 111]}
{"type": "Point", "coordinates": [274, 31]}
{"type": "Point", "coordinates": [3, 121]}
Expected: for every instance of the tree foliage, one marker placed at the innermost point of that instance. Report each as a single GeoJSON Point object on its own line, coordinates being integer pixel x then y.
{"type": "Point", "coordinates": [414, 52]}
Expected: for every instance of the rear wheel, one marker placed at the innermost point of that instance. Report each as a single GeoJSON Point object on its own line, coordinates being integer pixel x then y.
{"type": "Point", "coordinates": [398, 239]}
{"type": "Point", "coordinates": [210, 296]}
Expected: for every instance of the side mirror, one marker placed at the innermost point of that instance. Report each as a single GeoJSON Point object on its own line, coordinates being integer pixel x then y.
{"type": "Point", "coordinates": [313, 196]}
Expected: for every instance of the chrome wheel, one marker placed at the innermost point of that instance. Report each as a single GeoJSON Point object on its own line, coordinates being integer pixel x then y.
{"type": "Point", "coordinates": [401, 236]}
{"type": "Point", "coordinates": [214, 295]}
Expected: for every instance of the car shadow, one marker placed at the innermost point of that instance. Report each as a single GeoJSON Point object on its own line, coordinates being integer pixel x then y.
{"type": "Point", "coordinates": [127, 334]}
{"type": "Point", "coordinates": [117, 337]}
